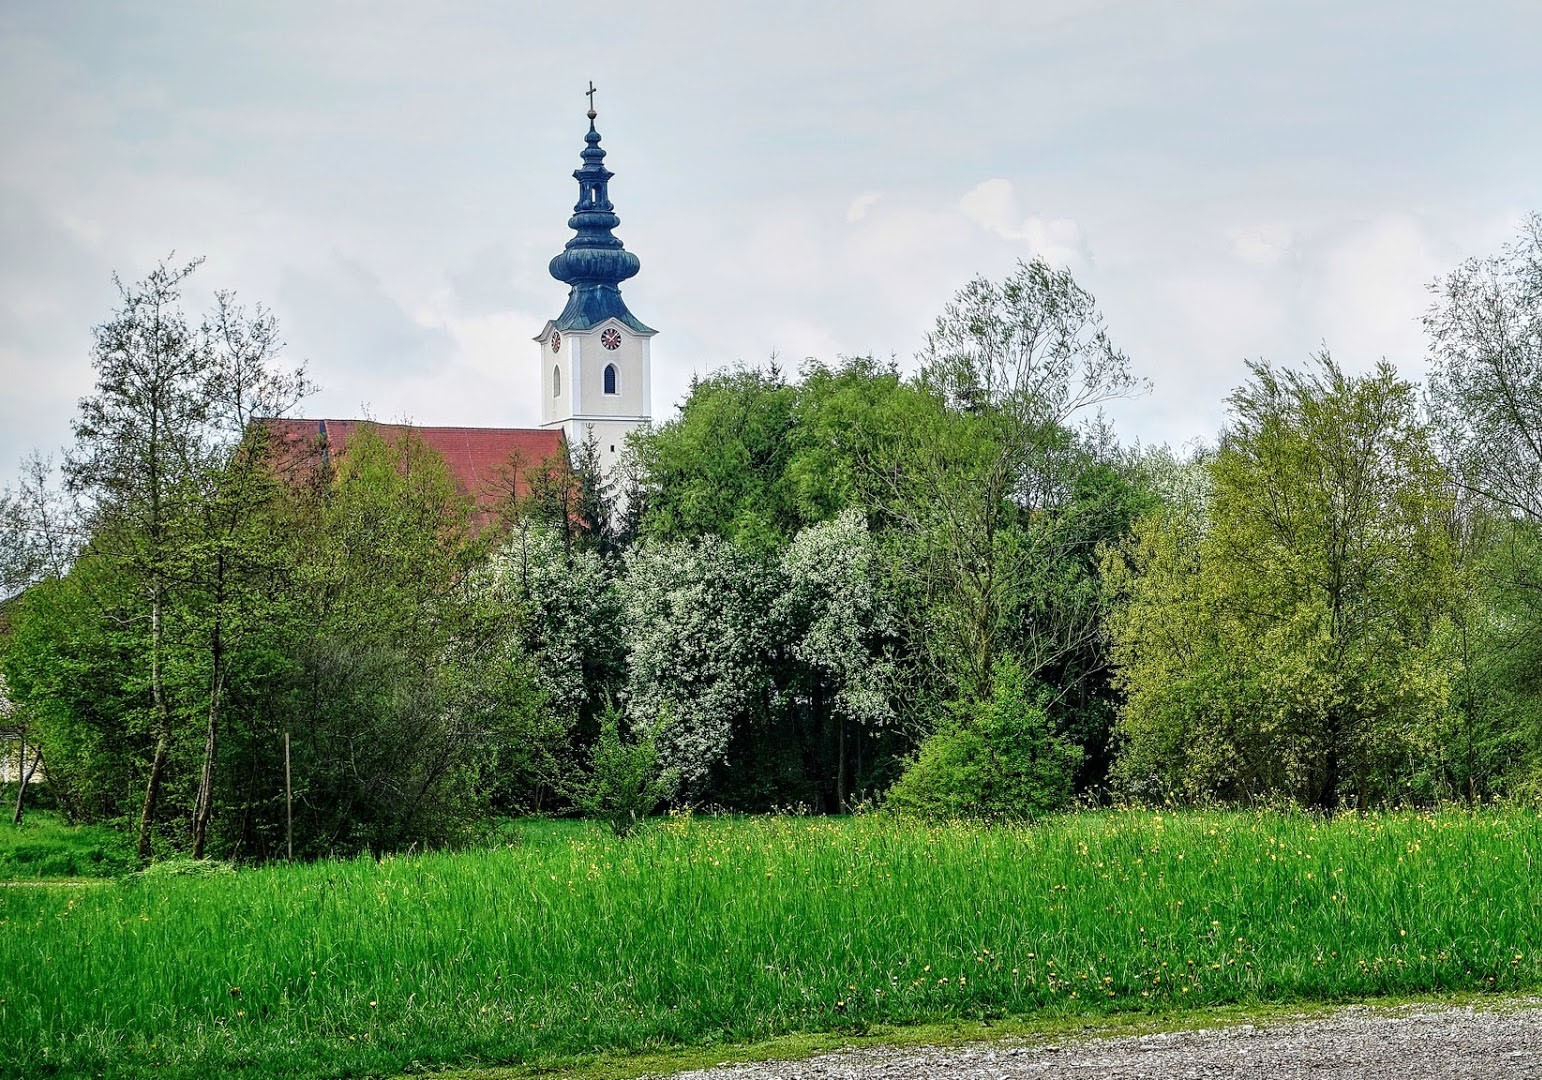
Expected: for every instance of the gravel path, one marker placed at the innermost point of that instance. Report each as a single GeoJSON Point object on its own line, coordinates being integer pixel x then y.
{"type": "Point", "coordinates": [1411, 1043]}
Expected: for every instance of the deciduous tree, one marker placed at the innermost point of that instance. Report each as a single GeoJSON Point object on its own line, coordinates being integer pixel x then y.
{"type": "Point", "coordinates": [1291, 632]}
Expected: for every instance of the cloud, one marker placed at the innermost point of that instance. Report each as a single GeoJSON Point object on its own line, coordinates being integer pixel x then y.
{"type": "Point", "coordinates": [346, 322]}
{"type": "Point", "coordinates": [52, 289]}
{"type": "Point", "coordinates": [1237, 209]}
{"type": "Point", "coordinates": [861, 205]}
{"type": "Point", "coordinates": [485, 284]}
{"type": "Point", "coordinates": [993, 205]}
{"type": "Point", "coordinates": [1370, 291]}
{"type": "Point", "coordinates": [1261, 245]}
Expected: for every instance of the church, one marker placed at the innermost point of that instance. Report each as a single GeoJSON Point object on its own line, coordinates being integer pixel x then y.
{"type": "Point", "coordinates": [593, 369]}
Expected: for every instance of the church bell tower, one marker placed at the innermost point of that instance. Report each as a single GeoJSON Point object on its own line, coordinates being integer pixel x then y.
{"type": "Point", "coordinates": [595, 355]}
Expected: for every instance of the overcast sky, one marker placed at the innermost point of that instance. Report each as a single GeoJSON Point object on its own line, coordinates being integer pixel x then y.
{"type": "Point", "coordinates": [1232, 180]}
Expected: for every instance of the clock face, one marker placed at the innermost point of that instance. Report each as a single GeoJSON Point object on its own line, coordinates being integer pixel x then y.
{"type": "Point", "coordinates": [611, 339]}
{"type": "Point", "coordinates": [556, 341]}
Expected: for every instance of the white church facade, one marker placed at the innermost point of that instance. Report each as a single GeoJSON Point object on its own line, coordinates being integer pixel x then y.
{"type": "Point", "coordinates": [595, 384]}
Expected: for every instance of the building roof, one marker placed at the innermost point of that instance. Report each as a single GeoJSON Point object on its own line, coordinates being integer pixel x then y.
{"type": "Point", "coordinates": [480, 460]}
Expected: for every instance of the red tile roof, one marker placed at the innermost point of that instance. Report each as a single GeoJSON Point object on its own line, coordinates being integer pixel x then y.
{"type": "Point", "coordinates": [479, 459]}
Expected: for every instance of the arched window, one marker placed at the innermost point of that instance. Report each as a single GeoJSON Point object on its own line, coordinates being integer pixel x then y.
{"type": "Point", "coordinates": [556, 382]}
{"type": "Point", "coordinates": [610, 378]}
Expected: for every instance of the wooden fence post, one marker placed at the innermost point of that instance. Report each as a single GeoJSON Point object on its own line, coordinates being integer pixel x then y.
{"type": "Point", "coordinates": [288, 802]}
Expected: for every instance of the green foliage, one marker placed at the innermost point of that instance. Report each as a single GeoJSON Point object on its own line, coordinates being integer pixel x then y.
{"type": "Point", "coordinates": [1492, 743]}
{"type": "Point", "coordinates": [350, 626]}
{"type": "Point", "coordinates": [623, 784]}
{"type": "Point", "coordinates": [996, 760]}
{"type": "Point", "coordinates": [848, 425]}
{"type": "Point", "coordinates": [1485, 398]}
{"type": "Point", "coordinates": [1291, 633]}
{"type": "Point", "coordinates": [566, 494]}
{"type": "Point", "coordinates": [72, 660]}
{"type": "Point", "coordinates": [392, 693]}
{"type": "Point", "coordinates": [720, 468]}
{"type": "Point", "coordinates": [730, 931]}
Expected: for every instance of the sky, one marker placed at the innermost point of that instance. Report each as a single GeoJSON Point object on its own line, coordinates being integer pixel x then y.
{"type": "Point", "coordinates": [1232, 180]}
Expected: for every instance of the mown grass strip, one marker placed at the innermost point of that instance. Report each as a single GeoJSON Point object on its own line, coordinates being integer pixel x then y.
{"type": "Point", "coordinates": [708, 933]}
{"type": "Point", "coordinates": [1059, 1028]}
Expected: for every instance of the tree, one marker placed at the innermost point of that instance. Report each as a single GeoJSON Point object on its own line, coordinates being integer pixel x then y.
{"type": "Point", "coordinates": [842, 627]}
{"type": "Point", "coordinates": [1485, 390]}
{"type": "Point", "coordinates": [701, 650]}
{"type": "Point", "coordinates": [557, 608]}
{"type": "Point", "coordinates": [394, 685]}
{"type": "Point", "coordinates": [234, 561]}
{"type": "Point", "coordinates": [567, 494]}
{"type": "Point", "coordinates": [848, 422]}
{"type": "Point", "coordinates": [140, 443]}
{"type": "Point", "coordinates": [74, 661]}
{"type": "Point", "coordinates": [169, 475]}
{"type": "Point", "coordinates": [1290, 632]}
{"type": "Point", "coordinates": [38, 532]}
{"type": "Point", "coordinates": [623, 784]}
{"type": "Point", "coordinates": [983, 477]}
{"type": "Point", "coordinates": [720, 468]}
{"type": "Point", "coordinates": [1485, 396]}
{"type": "Point", "coordinates": [16, 720]}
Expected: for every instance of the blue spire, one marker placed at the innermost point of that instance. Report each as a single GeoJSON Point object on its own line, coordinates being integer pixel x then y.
{"type": "Point", "coordinates": [593, 262]}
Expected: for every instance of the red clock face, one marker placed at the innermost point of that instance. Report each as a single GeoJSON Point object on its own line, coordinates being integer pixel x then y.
{"type": "Point", "coordinates": [556, 341]}
{"type": "Point", "coordinates": [611, 339]}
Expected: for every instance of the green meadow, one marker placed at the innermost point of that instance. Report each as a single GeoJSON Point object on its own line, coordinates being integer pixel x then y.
{"type": "Point", "coordinates": [47, 849]}
{"type": "Point", "coordinates": [563, 943]}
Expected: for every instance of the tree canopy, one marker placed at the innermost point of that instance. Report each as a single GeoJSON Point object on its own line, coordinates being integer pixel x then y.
{"type": "Point", "coordinates": [948, 588]}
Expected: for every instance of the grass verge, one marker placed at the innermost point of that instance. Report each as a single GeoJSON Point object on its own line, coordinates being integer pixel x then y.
{"type": "Point", "coordinates": [711, 934]}
{"type": "Point", "coordinates": [1070, 1028]}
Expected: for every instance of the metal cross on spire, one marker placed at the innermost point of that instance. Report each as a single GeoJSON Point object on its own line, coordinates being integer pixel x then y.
{"type": "Point", "coordinates": [590, 94]}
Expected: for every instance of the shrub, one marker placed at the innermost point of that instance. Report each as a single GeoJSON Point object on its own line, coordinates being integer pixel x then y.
{"type": "Point", "coordinates": [624, 784]}
{"type": "Point", "coordinates": [995, 760]}
{"type": "Point", "coordinates": [185, 867]}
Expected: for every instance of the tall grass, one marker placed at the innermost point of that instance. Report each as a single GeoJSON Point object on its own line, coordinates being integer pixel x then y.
{"type": "Point", "coordinates": [704, 930]}
{"type": "Point", "coordinates": [44, 847]}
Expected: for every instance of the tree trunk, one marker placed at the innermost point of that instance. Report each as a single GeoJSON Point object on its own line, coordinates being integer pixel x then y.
{"type": "Point", "coordinates": [840, 765]}
{"type": "Point", "coordinates": [1332, 767]}
{"type": "Point", "coordinates": [162, 732]}
{"type": "Point", "coordinates": [26, 778]}
{"type": "Point", "coordinates": [204, 808]}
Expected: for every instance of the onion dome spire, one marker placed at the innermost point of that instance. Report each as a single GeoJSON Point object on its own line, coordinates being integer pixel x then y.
{"type": "Point", "coordinates": [594, 262]}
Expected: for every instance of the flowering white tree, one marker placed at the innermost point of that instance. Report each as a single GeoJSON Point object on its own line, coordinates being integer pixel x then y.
{"type": "Point", "coordinates": [703, 639]}
{"type": "Point", "coordinates": [840, 619]}
{"type": "Point", "coordinates": [565, 613]}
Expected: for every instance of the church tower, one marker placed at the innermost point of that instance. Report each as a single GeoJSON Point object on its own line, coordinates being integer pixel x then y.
{"type": "Point", "coordinates": [595, 355]}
